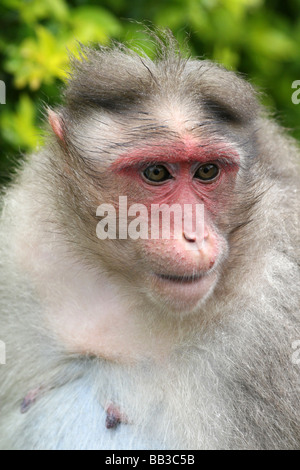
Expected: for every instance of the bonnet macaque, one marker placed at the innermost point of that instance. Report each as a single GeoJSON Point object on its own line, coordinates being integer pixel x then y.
{"type": "Point", "coordinates": [149, 342]}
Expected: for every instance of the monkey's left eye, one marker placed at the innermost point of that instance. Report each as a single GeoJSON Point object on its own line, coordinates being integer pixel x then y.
{"type": "Point", "coordinates": [157, 174]}
{"type": "Point", "coordinates": [207, 172]}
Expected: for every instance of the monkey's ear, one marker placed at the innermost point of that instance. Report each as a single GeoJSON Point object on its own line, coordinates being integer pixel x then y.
{"type": "Point", "coordinates": [55, 122]}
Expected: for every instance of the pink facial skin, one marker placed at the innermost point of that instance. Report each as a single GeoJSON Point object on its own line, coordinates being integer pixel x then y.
{"type": "Point", "coordinates": [56, 124]}
{"type": "Point", "coordinates": [181, 161]}
{"type": "Point", "coordinates": [184, 151]}
{"type": "Point", "coordinates": [182, 269]}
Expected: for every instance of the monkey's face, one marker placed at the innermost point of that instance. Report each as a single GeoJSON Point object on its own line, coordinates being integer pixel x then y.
{"type": "Point", "coordinates": [173, 198]}
{"type": "Point", "coordinates": [157, 142]}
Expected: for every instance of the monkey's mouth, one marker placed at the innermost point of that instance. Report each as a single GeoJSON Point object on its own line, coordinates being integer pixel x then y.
{"type": "Point", "coordinates": [180, 279]}
{"type": "Point", "coordinates": [183, 293]}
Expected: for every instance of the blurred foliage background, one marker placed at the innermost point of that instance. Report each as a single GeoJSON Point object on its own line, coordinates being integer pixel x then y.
{"type": "Point", "coordinates": [260, 38]}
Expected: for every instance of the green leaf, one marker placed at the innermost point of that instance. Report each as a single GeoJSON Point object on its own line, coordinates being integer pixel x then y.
{"type": "Point", "coordinates": [91, 23]}
{"type": "Point", "coordinates": [272, 42]}
{"type": "Point", "coordinates": [39, 59]}
{"type": "Point", "coordinates": [18, 127]}
{"type": "Point", "coordinates": [34, 10]}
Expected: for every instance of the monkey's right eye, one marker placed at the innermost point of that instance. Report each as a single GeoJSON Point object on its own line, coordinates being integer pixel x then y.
{"type": "Point", "coordinates": [156, 174]}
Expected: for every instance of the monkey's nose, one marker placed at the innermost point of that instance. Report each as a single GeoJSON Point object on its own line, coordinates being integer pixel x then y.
{"type": "Point", "coordinates": [194, 241]}
{"type": "Point", "coordinates": [190, 237]}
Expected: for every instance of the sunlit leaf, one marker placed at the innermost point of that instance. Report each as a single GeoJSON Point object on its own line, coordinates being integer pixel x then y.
{"type": "Point", "coordinates": [33, 10]}
{"type": "Point", "coordinates": [91, 23]}
{"type": "Point", "coordinates": [272, 42]}
{"type": "Point", "coordinates": [39, 59]}
{"type": "Point", "coordinates": [19, 127]}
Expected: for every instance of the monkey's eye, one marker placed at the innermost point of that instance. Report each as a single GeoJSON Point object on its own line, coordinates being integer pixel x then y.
{"type": "Point", "coordinates": [157, 174]}
{"type": "Point", "coordinates": [207, 172]}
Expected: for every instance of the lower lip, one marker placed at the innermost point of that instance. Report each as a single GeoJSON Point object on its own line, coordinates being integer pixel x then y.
{"type": "Point", "coordinates": [184, 292]}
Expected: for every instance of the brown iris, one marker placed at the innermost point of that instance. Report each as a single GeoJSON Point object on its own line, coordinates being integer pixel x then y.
{"type": "Point", "coordinates": [207, 172]}
{"type": "Point", "coordinates": [156, 173]}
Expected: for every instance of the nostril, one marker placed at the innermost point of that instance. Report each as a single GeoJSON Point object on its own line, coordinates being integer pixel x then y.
{"type": "Point", "coordinates": [191, 237]}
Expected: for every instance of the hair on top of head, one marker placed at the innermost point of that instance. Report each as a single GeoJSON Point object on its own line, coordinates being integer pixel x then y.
{"type": "Point", "coordinates": [117, 77]}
